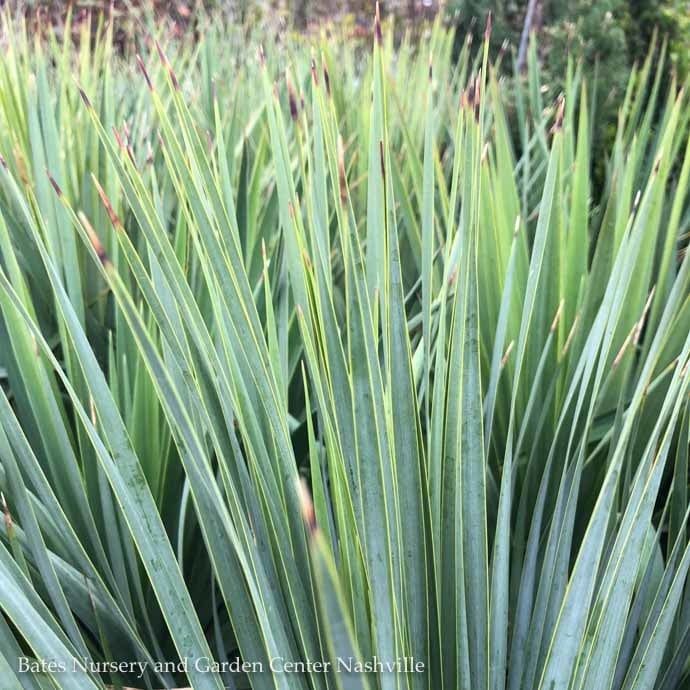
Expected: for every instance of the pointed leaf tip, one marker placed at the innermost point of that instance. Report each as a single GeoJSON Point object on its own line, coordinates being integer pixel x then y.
{"type": "Point", "coordinates": [292, 98]}
{"type": "Point", "coordinates": [142, 67]}
{"type": "Point", "coordinates": [114, 218]}
{"type": "Point", "coordinates": [54, 184]}
{"type": "Point", "coordinates": [84, 98]}
{"type": "Point", "coordinates": [9, 524]}
{"type": "Point", "coordinates": [307, 506]}
{"type": "Point", "coordinates": [326, 79]}
{"type": "Point", "coordinates": [506, 356]}
{"type": "Point", "coordinates": [377, 25]}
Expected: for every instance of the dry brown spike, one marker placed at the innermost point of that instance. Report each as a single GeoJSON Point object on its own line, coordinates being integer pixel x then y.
{"type": "Point", "coordinates": [118, 138]}
{"type": "Point", "coordinates": [114, 219]}
{"type": "Point", "coordinates": [168, 66]}
{"type": "Point", "coordinates": [377, 25]}
{"type": "Point", "coordinates": [477, 95]}
{"type": "Point", "coordinates": [96, 243]}
{"type": "Point", "coordinates": [54, 184]}
{"type": "Point", "coordinates": [160, 52]}
{"type": "Point", "coordinates": [326, 79]}
{"type": "Point", "coordinates": [142, 67]}
{"type": "Point", "coordinates": [489, 26]}
{"type": "Point", "coordinates": [307, 506]}
{"type": "Point", "coordinates": [468, 95]}
{"type": "Point", "coordinates": [85, 98]}
{"type": "Point", "coordinates": [292, 98]}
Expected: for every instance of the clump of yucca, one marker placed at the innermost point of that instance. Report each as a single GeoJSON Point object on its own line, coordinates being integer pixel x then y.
{"type": "Point", "coordinates": [478, 362]}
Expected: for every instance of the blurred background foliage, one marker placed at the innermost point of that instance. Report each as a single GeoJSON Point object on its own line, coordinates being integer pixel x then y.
{"type": "Point", "coordinates": [609, 36]}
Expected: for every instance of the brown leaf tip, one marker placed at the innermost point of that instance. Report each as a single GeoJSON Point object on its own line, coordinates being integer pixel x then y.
{"type": "Point", "coordinates": [377, 25]}
{"type": "Point", "coordinates": [107, 205]}
{"type": "Point", "coordinates": [171, 72]}
{"type": "Point", "coordinates": [489, 25]}
{"type": "Point", "coordinates": [98, 247]}
{"type": "Point", "coordinates": [54, 184]}
{"type": "Point", "coordinates": [307, 507]}
{"type": "Point", "coordinates": [142, 67]}
{"type": "Point", "coordinates": [292, 98]}
{"type": "Point", "coordinates": [100, 252]}
{"type": "Point", "coordinates": [160, 52]}
{"type": "Point", "coordinates": [85, 98]}
{"type": "Point", "coordinates": [118, 138]}
{"type": "Point", "coordinates": [327, 79]}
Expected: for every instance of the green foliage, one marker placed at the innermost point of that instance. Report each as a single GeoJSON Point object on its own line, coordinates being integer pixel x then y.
{"type": "Point", "coordinates": [609, 36]}
{"type": "Point", "coordinates": [301, 360]}
{"type": "Point", "coordinates": [671, 18]}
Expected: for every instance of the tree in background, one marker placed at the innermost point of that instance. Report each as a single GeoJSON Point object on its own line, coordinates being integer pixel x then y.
{"type": "Point", "coordinates": [610, 34]}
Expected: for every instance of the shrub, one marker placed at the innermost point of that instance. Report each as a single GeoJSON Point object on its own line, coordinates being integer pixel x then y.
{"type": "Point", "coordinates": [481, 373]}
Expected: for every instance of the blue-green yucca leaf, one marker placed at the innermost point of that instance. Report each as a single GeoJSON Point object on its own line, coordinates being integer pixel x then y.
{"type": "Point", "coordinates": [25, 609]}
{"type": "Point", "coordinates": [131, 490]}
{"type": "Point", "coordinates": [475, 347]}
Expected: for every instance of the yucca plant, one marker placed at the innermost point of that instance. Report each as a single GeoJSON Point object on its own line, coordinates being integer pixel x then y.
{"type": "Point", "coordinates": [346, 380]}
